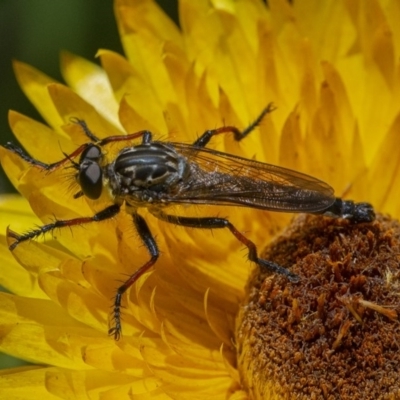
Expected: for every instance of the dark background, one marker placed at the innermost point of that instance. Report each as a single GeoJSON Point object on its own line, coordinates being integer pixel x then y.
{"type": "Point", "coordinates": [34, 32]}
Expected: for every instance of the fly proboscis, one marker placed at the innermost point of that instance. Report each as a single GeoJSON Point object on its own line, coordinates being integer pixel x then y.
{"type": "Point", "coordinates": [156, 174]}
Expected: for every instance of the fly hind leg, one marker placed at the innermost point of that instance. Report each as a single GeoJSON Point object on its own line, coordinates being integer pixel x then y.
{"type": "Point", "coordinates": [219, 223]}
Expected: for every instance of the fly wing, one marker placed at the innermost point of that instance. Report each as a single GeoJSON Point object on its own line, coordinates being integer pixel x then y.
{"type": "Point", "coordinates": [224, 179]}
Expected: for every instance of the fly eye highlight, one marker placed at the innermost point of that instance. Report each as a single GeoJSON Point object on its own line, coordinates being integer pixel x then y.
{"type": "Point", "coordinates": [90, 176]}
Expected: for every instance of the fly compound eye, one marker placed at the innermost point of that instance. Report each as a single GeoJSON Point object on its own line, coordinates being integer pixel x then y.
{"type": "Point", "coordinates": [90, 173]}
{"type": "Point", "coordinates": [90, 178]}
{"type": "Point", "coordinates": [92, 153]}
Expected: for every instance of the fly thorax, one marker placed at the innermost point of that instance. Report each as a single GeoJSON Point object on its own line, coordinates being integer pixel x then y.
{"type": "Point", "coordinates": [150, 167]}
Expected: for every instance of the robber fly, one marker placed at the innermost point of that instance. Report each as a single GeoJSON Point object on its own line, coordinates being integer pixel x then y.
{"type": "Point", "coordinates": [155, 174]}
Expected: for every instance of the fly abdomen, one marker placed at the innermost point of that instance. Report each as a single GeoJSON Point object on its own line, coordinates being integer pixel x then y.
{"type": "Point", "coordinates": [358, 212]}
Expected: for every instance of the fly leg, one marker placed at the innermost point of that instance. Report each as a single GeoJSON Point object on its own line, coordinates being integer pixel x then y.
{"type": "Point", "coordinates": [217, 223]}
{"type": "Point", "coordinates": [151, 245]}
{"type": "Point", "coordinates": [41, 165]}
{"type": "Point", "coordinates": [145, 134]}
{"type": "Point", "coordinates": [203, 140]}
{"type": "Point", "coordinates": [107, 213]}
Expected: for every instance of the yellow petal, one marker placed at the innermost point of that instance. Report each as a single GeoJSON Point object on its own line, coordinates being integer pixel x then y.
{"type": "Point", "coordinates": [127, 82]}
{"type": "Point", "coordinates": [90, 82]}
{"type": "Point", "coordinates": [34, 84]}
{"type": "Point", "coordinates": [35, 330]}
{"type": "Point", "coordinates": [14, 276]}
{"type": "Point", "coordinates": [70, 105]}
{"type": "Point", "coordinates": [40, 141]}
{"type": "Point", "coordinates": [17, 383]}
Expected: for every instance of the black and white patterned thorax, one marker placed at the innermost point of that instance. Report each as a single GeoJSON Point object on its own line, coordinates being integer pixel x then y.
{"type": "Point", "coordinates": [143, 173]}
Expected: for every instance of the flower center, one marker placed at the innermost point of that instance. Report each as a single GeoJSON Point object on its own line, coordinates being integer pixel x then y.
{"type": "Point", "coordinates": [335, 333]}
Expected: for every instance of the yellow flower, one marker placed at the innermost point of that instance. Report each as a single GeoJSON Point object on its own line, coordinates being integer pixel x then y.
{"type": "Point", "coordinates": [332, 70]}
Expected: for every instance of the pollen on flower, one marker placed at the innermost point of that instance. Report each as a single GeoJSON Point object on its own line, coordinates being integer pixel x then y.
{"type": "Point", "coordinates": [335, 334]}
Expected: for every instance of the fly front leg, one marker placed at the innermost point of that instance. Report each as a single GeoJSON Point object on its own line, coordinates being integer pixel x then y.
{"type": "Point", "coordinates": [218, 223]}
{"type": "Point", "coordinates": [41, 165]}
{"type": "Point", "coordinates": [107, 213]}
{"type": "Point", "coordinates": [145, 135]}
{"type": "Point", "coordinates": [151, 245]}
{"type": "Point", "coordinates": [203, 140]}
